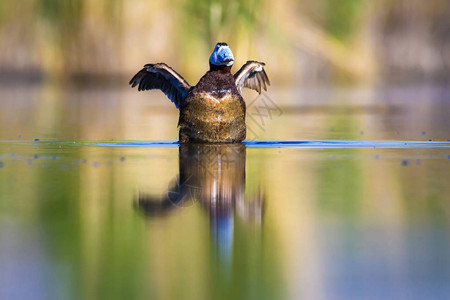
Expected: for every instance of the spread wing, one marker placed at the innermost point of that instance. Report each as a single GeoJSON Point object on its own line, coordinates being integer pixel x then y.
{"type": "Point", "coordinates": [161, 76]}
{"type": "Point", "coordinates": [252, 76]}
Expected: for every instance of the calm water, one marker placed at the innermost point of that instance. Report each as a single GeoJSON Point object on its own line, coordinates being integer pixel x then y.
{"type": "Point", "coordinates": [353, 204]}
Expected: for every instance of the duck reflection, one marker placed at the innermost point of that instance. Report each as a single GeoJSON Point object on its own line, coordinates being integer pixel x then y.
{"type": "Point", "coordinates": [213, 176]}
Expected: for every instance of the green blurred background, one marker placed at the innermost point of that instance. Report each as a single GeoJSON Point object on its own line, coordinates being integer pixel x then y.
{"type": "Point", "coordinates": [303, 42]}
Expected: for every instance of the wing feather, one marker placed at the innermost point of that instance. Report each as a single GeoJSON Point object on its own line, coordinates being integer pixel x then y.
{"type": "Point", "coordinates": [161, 76]}
{"type": "Point", "coordinates": [253, 76]}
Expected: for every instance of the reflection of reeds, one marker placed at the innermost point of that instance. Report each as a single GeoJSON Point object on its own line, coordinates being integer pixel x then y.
{"type": "Point", "coordinates": [312, 40]}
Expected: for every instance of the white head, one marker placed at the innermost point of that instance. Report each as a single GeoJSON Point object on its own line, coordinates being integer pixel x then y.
{"type": "Point", "coordinates": [222, 55]}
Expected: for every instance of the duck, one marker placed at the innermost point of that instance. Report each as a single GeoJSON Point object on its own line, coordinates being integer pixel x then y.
{"type": "Point", "coordinates": [212, 111]}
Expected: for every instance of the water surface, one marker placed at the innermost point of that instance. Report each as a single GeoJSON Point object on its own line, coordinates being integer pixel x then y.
{"type": "Point", "coordinates": [338, 193]}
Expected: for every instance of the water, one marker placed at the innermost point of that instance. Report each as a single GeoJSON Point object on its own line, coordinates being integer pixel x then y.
{"type": "Point", "coordinates": [338, 193]}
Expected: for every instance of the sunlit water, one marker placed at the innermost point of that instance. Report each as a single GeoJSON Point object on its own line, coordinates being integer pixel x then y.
{"type": "Point", "coordinates": [337, 194]}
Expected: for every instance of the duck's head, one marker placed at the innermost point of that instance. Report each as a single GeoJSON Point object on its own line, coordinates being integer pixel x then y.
{"type": "Point", "coordinates": [222, 57]}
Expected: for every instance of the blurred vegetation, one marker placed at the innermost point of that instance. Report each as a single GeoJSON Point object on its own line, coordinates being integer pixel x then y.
{"type": "Point", "coordinates": [302, 42]}
{"type": "Point", "coordinates": [222, 18]}
{"type": "Point", "coordinates": [342, 17]}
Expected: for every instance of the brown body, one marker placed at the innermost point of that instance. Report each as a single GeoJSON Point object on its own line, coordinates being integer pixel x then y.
{"type": "Point", "coordinates": [213, 111]}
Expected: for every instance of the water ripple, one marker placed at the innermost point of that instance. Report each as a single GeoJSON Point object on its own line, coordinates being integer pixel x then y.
{"type": "Point", "coordinates": [348, 144]}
